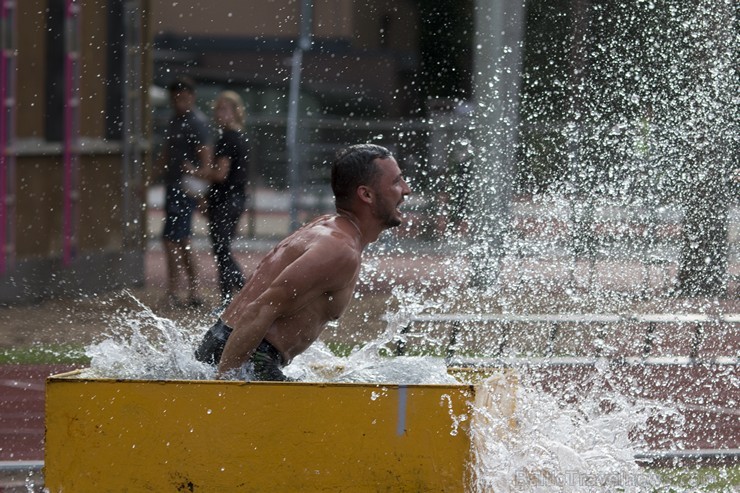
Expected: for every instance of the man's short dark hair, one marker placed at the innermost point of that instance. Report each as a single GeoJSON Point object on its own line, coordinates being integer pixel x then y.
{"type": "Point", "coordinates": [354, 166]}
{"type": "Point", "coordinates": [182, 84]}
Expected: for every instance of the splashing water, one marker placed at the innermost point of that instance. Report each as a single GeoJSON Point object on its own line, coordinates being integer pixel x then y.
{"type": "Point", "coordinates": [523, 440]}
{"type": "Point", "coordinates": [142, 345]}
{"type": "Point", "coordinates": [578, 447]}
{"type": "Point", "coordinates": [370, 364]}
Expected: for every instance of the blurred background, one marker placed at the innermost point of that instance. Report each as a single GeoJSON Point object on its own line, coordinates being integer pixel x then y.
{"type": "Point", "coordinates": [582, 129]}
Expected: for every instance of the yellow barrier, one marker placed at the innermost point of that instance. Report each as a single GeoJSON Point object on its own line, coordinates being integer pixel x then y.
{"type": "Point", "coordinates": [224, 436]}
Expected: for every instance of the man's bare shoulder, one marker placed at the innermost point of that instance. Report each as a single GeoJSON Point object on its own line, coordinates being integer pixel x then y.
{"type": "Point", "coordinates": [325, 231]}
{"type": "Point", "coordinates": [336, 243]}
{"type": "Point", "coordinates": [331, 250]}
{"type": "Point", "coordinates": [320, 236]}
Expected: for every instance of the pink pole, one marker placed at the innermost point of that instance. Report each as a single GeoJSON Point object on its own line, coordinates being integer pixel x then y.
{"type": "Point", "coordinates": [69, 138]}
{"type": "Point", "coordinates": [3, 154]}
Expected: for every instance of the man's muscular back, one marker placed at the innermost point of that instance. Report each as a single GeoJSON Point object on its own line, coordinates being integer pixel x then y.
{"type": "Point", "coordinates": [306, 281]}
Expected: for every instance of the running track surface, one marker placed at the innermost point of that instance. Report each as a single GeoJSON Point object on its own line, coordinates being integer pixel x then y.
{"type": "Point", "coordinates": [22, 410]}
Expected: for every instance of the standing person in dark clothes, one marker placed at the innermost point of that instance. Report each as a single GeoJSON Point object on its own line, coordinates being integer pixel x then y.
{"type": "Point", "coordinates": [227, 197]}
{"type": "Point", "coordinates": [187, 140]}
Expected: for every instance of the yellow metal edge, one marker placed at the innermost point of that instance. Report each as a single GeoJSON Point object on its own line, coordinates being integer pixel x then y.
{"type": "Point", "coordinates": [74, 376]}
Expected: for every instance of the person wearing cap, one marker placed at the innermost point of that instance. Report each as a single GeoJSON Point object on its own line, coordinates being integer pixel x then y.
{"type": "Point", "coordinates": [187, 140]}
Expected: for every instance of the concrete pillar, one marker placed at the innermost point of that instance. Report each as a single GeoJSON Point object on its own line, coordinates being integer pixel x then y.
{"type": "Point", "coordinates": [498, 46]}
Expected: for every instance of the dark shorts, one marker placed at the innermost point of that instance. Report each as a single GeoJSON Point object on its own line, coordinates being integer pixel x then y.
{"type": "Point", "coordinates": [266, 363]}
{"type": "Point", "coordinates": [178, 220]}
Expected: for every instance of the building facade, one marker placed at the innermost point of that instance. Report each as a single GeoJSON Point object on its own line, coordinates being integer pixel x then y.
{"type": "Point", "coordinates": [74, 128]}
{"type": "Point", "coordinates": [360, 71]}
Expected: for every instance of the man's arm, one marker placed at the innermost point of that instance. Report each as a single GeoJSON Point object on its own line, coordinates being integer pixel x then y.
{"type": "Point", "coordinates": [205, 156]}
{"type": "Point", "coordinates": [160, 163]}
{"type": "Point", "coordinates": [199, 137]}
{"type": "Point", "coordinates": [216, 173]}
{"type": "Point", "coordinates": [322, 269]}
{"type": "Point", "coordinates": [260, 313]}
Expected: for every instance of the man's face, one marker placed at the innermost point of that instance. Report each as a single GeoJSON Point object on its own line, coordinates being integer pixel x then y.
{"type": "Point", "coordinates": [182, 101]}
{"type": "Point", "coordinates": [390, 191]}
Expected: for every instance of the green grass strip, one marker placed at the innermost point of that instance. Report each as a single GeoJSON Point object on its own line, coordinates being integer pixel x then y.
{"type": "Point", "coordinates": [705, 479]}
{"type": "Point", "coordinates": [50, 355]}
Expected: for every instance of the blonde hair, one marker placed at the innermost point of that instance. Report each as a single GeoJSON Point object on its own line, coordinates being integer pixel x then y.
{"type": "Point", "coordinates": [237, 104]}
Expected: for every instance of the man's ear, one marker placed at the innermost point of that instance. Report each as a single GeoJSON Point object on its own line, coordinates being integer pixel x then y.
{"type": "Point", "coordinates": [365, 194]}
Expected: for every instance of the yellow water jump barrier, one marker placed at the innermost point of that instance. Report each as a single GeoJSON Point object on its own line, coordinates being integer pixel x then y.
{"type": "Point", "coordinates": [223, 436]}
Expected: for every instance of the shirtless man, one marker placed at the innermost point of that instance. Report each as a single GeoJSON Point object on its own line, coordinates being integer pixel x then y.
{"type": "Point", "coordinates": [308, 279]}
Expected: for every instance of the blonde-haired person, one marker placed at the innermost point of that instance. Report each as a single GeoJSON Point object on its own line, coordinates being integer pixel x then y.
{"type": "Point", "coordinates": [226, 197]}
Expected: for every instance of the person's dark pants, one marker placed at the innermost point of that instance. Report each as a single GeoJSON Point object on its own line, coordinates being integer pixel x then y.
{"type": "Point", "coordinates": [266, 361]}
{"type": "Point", "coordinates": [224, 218]}
{"type": "Point", "coordinates": [212, 346]}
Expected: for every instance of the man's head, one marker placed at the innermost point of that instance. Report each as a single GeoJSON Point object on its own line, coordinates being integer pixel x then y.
{"type": "Point", "coordinates": [369, 173]}
{"type": "Point", "coordinates": [182, 94]}
{"type": "Point", "coordinates": [354, 166]}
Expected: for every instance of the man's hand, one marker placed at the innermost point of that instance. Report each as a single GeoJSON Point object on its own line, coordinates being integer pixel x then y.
{"type": "Point", "coordinates": [189, 169]}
